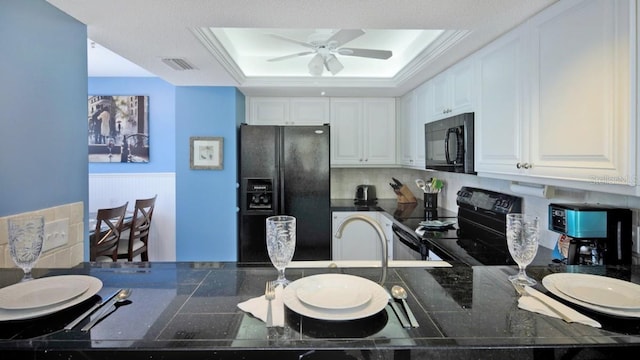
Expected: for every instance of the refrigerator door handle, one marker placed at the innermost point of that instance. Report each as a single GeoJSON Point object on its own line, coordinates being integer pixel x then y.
{"type": "Point", "coordinates": [281, 210]}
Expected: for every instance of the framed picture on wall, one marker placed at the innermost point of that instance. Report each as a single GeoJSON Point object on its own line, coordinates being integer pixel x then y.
{"type": "Point", "coordinates": [118, 128]}
{"type": "Point", "coordinates": [206, 153]}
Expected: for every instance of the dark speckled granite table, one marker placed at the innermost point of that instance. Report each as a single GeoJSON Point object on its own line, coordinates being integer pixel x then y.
{"type": "Point", "coordinates": [188, 311]}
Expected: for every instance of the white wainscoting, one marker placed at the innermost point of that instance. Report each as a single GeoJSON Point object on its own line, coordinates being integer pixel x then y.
{"type": "Point", "coordinates": [110, 190]}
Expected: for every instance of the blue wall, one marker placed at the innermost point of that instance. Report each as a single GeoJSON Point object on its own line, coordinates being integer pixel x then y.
{"type": "Point", "coordinates": [206, 223]}
{"type": "Point", "coordinates": [206, 199]}
{"type": "Point", "coordinates": [43, 122]}
{"type": "Point", "coordinates": [162, 121]}
{"type": "Point", "coordinates": [43, 152]}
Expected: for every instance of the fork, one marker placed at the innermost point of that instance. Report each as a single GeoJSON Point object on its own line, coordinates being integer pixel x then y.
{"type": "Point", "coordinates": [269, 294]}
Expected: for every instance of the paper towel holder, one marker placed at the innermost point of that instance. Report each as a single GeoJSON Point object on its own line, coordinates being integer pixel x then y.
{"type": "Point", "coordinates": [542, 191]}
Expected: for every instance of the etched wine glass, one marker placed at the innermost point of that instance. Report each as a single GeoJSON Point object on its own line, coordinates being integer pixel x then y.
{"type": "Point", "coordinates": [522, 239]}
{"type": "Point", "coordinates": [26, 235]}
{"type": "Point", "coordinates": [281, 243]}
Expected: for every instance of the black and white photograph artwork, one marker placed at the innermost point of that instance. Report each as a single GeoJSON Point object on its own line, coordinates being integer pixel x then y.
{"type": "Point", "coordinates": [118, 128]}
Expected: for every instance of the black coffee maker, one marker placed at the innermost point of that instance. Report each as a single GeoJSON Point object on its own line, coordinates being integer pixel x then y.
{"type": "Point", "coordinates": [598, 235]}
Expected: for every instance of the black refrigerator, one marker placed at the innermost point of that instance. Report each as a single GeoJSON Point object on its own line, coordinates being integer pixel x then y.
{"type": "Point", "coordinates": [284, 170]}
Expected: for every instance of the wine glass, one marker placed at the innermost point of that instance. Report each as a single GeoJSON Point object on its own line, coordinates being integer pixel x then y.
{"type": "Point", "coordinates": [522, 239]}
{"type": "Point", "coordinates": [281, 243]}
{"type": "Point", "coordinates": [26, 235]}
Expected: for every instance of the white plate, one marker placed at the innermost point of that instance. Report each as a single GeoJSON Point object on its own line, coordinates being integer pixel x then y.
{"type": "Point", "coordinates": [550, 282]}
{"type": "Point", "coordinates": [327, 293]}
{"type": "Point", "coordinates": [600, 290]}
{"type": "Point", "coordinates": [41, 292]}
{"type": "Point", "coordinates": [94, 285]}
{"type": "Point", "coordinates": [378, 301]}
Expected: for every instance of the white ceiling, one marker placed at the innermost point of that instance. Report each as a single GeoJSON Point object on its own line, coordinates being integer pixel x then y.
{"type": "Point", "coordinates": [140, 33]}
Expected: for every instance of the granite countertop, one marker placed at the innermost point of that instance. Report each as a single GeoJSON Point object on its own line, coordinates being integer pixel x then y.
{"type": "Point", "coordinates": [188, 311]}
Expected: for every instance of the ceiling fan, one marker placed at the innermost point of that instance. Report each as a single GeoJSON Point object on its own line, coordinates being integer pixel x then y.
{"type": "Point", "coordinates": [326, 46]}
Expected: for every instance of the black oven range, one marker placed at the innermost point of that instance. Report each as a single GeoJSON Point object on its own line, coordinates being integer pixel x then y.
{"type": "Point", "coordinates": [477, 238]}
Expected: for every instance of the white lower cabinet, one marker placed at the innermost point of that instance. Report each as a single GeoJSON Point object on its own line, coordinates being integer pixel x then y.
{"type": "Point", "coordinates": [553, 98]}
{"type": "Point", "coordinates": [359, 239]}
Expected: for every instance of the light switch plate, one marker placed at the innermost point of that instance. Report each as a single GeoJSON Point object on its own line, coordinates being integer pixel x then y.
{"type": "Point", "coordinates": [56, 234]}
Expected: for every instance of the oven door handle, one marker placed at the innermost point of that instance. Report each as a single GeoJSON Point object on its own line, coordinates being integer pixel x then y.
{"type": "Point", "coordinates": [411, 241]}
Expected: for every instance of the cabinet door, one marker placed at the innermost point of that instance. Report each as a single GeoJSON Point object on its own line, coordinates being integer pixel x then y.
{"type": "Point", "coordinates": [380, 131]}
{"type": "Point", "coordinates": [309, 111]}
{"type": "Point", "coordinates": [347, 133]}
{"type": "Point", "coordinates": [580, 108]}
{"type": "Point", "coordinates": [423, 102]}
{"type": "Point", "coordinates": [406, 128]}
{"type": "Point", "coordinates": [268, 111]}
{"type": "Point", "coordinates": [452, 91]}
{"type": "Point", "coordinates": [499, 102]}
{"type": "Point", "coordinates": [359, 240]}
{"type": "Point", "coordinates": [440, 88]}
{"type": "Point", "coordinates": [387, 226]}
{"type": "Point", "coordinates": [461, 77]}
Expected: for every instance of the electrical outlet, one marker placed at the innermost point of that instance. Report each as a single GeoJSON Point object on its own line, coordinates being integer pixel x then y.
{"type": "Point", "coordinates": [56, 234]}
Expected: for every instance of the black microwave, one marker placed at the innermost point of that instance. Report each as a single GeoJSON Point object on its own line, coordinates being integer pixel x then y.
{"type": "Point", "coordinates": [449, 144]}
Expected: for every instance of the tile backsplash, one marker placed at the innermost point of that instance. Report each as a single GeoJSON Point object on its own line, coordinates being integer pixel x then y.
{"type": "Point", "coordinates": [67, 253]}
{"type": "Point", "coordinates": [344, 181]}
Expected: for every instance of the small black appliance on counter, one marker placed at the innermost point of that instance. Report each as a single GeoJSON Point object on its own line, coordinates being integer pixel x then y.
{"type": "Point", "coordinates": [598, 235]}
{"type": "Point", "coordinates": [365, 195]}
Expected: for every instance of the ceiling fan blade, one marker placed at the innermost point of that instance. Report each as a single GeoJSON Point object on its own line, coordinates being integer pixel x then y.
{"type": "Point", "coordinates": [345, 35]}
{"type": "Point", "coordinates": [301, 43]}
{"type": "Point", "coordinates": [368, 53]}
{"type": "Point", "coordinates": [291, 56]}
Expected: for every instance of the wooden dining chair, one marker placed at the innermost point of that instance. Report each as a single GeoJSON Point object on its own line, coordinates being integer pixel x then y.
{"type": "Point", "coordinates": [135, 240]}
{"type": "Point", "coordinates": [106, 237]}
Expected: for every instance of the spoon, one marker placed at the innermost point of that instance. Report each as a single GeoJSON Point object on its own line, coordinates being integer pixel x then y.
{"type": "Point", "coordinates": [399, 293]}
{"type": "Point", "coordinates": [421, 184]}
{"type": "Point", "coordinates": [106, 309]}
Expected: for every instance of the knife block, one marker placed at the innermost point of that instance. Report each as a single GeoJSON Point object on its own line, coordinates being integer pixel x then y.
{"type": "Point", "coordinates": [406, 196]}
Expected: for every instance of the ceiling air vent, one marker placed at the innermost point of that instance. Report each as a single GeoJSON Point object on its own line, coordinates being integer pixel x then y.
{"type": "Point", "coordinates": [178, 64]}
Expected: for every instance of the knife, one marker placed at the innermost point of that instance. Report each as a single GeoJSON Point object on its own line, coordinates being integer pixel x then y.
{"type": "Point", "coordinates": [403, 319]}
{"type": "Point", "coordinates": [106, 309]}
{"type": "Point", "coordinates": [95, 307]}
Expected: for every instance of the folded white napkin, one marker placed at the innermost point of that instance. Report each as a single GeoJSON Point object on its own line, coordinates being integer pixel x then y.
{"type": "Point", "coordinates": [530, 303]}
{"type": "Point", "coordinates": [258, 307]}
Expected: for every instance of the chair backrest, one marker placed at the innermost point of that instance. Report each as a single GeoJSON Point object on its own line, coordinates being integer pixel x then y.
{"type": "Point", "coordinates": [104, 241]}
{"type": "Point", "coordinates": [141, 224]}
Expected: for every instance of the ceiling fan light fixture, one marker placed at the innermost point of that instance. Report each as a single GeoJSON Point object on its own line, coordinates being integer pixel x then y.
{"type": "Point", "coordinates": [316, 65]}
{"type": "Point", "coordinates": [333, 65]}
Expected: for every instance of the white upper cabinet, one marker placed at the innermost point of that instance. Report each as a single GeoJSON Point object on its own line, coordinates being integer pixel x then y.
{"type": "Point", "coordinates": [500, 118]}
{"type": "Point", "coordinates": [363, 131]}
{"type": "Point", "coordinates": [553, 100]}
{"type": "Point", "coordinates": [580, 110]}
{"type": "Point", "coordinates": [412, 115]}
{"type": "Point", "coordinates": [452, 91]}
{"type": "Point", "coordinates": [287, 111]}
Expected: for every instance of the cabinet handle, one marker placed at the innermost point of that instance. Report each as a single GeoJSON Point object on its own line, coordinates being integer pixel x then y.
{"type": "Point", "coordinates": [527, 166]}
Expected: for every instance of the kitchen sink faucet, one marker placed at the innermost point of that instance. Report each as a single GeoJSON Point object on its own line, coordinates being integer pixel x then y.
{"type": "Point", "coordinates": [381, 235]}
